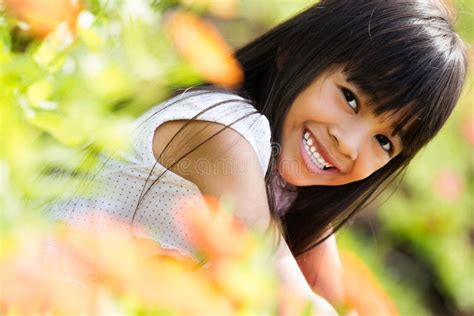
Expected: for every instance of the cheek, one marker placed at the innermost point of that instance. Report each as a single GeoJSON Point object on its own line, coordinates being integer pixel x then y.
{"type": "Point", "coordinates": [368, 163]}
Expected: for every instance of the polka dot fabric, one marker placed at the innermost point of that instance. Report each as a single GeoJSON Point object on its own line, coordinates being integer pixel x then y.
{"type": "Point", "coordinates": [160, 213]}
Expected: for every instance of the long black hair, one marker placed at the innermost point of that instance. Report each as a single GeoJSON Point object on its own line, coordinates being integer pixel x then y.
{"type": "Point", "coordinates": [403, 54]}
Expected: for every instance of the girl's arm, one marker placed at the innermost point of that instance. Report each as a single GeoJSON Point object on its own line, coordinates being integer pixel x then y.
{"type": "Point", "coordinates": [290, 274]}
{"type": "Point", "coordinates": [322, 269]}
{"type": "Point", "coordinates": [243, 181]}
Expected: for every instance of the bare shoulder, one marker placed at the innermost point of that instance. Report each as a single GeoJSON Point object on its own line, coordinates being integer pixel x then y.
{"type": "Point", "coordinates": [219, 160]}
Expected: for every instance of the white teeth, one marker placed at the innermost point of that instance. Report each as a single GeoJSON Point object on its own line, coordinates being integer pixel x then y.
{"type": "Point", "coordinates": [315, 156]}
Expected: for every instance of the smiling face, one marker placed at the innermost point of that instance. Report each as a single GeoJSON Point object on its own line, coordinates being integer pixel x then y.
{"type": "Point", "coordinates": [332, 137]}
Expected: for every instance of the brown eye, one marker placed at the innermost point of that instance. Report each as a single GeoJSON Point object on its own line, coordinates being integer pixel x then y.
{"type": "Point", "coordinates": [351, 100]}
{"type": "Point", "coordinates": [384, 143]}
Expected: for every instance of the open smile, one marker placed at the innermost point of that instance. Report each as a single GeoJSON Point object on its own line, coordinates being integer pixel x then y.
{"type": "Point", "coordinates": [314, 156]}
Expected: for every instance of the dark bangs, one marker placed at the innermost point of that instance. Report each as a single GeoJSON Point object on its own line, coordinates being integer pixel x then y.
{"type": "Point", "coordinates": [403, 54]}
{"type": "Point", "coordinates": [412, 68]}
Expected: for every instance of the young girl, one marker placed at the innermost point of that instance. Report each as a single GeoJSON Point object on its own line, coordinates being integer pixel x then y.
{"type": "Point", "coordinates": [334, 104]}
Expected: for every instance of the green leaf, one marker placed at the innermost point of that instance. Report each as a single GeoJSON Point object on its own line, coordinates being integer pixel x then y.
{"type": "Point", "coordinates": [57, 126]}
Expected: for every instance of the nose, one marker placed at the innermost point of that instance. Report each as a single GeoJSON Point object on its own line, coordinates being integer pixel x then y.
{"type": "Point", "coordinates": [348, 143]}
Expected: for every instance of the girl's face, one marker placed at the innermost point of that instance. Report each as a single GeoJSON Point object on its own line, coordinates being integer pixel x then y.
{"type": "Point", "coordinates": [332, 137]}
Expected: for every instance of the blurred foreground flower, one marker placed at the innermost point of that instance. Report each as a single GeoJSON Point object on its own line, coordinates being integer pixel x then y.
{"type": "Point", "coordinates": [218, 233]}
{"type": "Point", "coordinates": [42, 17]}
{"type": "Point", "coordinates": [83, 272]}
{"type": "Point", "coordinates": [71, 271]}
{"type": "Point", "coordinates": [202, 45]}
{"type": "Point", "coordinates": [363, 292]}
{"type": "Point", "coordinates": [237, 260]}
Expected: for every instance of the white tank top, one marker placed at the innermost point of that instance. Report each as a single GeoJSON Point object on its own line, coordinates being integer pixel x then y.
{"type": "Point", "coordinates": [160, 213]}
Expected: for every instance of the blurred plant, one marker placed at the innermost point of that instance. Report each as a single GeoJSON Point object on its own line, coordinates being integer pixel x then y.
{"type": "Point", "coordinates": [74, 271]}
{"type": "Point", "coordinates": [200, 43]}
{"type": "Point", "coordinates": [74, 75]}
{"type": "Point", "coordinates": [75, 79]}
{"type": "Point", "coordinates": [364, 294]}
{"type": "Point", "coordinates": [448, 185]}
{"type": "Point", "coordinates": [41, 18]}
{"type": "Point", "coordinates": [226, 9]}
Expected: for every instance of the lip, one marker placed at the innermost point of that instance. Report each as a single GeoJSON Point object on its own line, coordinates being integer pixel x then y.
{"type": "Point", "coordinates": [323, 152]}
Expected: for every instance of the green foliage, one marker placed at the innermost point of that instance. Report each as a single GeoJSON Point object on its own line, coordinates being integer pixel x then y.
{"type": "Point", "coordinates": [73, 95]}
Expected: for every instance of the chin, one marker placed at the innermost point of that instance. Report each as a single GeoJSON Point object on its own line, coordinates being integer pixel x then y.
{"type": "Point", "coordinates": [293, 180]}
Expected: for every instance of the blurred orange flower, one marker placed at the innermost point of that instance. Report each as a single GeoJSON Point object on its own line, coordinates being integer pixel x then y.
{"type": "Point", "coordinates": [69, 270]}
{"type": "Point", "coordinates": [363, 292]}
{"type": "Point", "coordinates": [230, 249]}
{"type": "Point", "coordinates": [32, 281]}
{"type": "Point", "coordinates": [201, 44]}
{"type": "Point", "coordinates": [44, 16]}
{"type": "Point", "coordinates": [218, 233]}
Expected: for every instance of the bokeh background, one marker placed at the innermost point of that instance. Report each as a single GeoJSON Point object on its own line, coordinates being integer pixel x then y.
{"type": "Point", "coordinates": [74, 75]}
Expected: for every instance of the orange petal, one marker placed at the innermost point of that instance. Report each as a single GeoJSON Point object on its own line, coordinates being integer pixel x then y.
{"type": "Point", "coordinates": [363, 292]}
{"type": "Point", "coordinates": [35, 284]}
{"type": "Point", "coordinates": [201, 44]}
{"type": "Point", "coordinates": [124, 269]}
{"type": "Point", "coordinates": [217, 233]}
{"type": "Point", "coordinates": [167, 284]}
{"type": "Point", "coordinates": [45, 15]}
